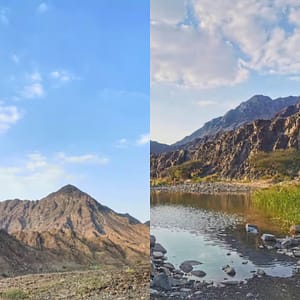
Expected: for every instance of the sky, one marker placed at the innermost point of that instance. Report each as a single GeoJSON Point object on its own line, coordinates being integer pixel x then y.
{"type": "Point", "coordinates": [209, 56]}
{"type": "Point", "coordinates": [74, 100]}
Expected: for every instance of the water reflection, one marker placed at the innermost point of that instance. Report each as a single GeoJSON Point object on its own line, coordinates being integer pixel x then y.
{"type": "Point", "coordinates": [193, 226]}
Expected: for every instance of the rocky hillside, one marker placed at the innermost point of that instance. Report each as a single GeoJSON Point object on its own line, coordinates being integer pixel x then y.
{"type": "Point", "coordinates": [74, 226]}
{"type": "Point", "coordinates": [257, 107]}
{"type": "Point", "coordinates": [235, 153]}
{"type": "Point", "coordinates": [17, 258]}
{"type": "Point", "coordinates": [156, 147]}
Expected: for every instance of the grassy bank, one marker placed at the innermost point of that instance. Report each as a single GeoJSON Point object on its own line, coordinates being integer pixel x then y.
{"type": "Point", "coordinates": [279, 165]}
{"type": "Point", "coordinates": [282, 202]}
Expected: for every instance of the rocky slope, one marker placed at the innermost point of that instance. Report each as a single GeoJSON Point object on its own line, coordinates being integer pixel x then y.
{"type": "Point", "coordinates": [16, 258]}
{"type": "Point", "coordinates": [228, 154]}
{"type": "Point", "coordinates": [156, 147]}
{"type": "Point", "coordinates": [257, 107]}
{"type": "Point", "coordinates": [75, 227]}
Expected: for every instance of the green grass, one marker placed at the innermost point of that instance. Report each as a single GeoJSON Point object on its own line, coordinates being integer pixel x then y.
{"type": "Point", "coordinates": [129, 270]}
{"type": "Point", "coordinates": [279, 165]}
{"type": "Point", "coordinates": [282, 202]}
{"type": "Point", "coordinates": [14, 294]}
{"type": "Point", "coordinates": [186, 170]}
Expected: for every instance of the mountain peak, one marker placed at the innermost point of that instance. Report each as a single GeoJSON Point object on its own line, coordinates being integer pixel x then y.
{"type": "Point", "coordinates": [257, 107]}
{"type": "Point", "coordinates": [69, 189]}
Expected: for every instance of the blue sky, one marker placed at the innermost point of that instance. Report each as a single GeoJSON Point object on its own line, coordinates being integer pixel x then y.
{"type": "Point", "coordinates": [74, 100]}
{"type": "Point", "coordinates": [208, 56]}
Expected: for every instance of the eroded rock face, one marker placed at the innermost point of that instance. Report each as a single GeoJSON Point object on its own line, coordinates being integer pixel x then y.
{"type": "Point", "coordinates": [228, 154]}
{"type": "Point", "coordinates": [257, 107]}
{"type": "Point", "coordinates": [71, 223]}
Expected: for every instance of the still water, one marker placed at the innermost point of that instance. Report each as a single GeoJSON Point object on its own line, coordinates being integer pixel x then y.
{"type": "Point", "coordinates": [211, 229]}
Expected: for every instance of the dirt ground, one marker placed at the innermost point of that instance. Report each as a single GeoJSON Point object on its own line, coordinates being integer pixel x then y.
{"type": "Point", "coordinates": [103, 283]}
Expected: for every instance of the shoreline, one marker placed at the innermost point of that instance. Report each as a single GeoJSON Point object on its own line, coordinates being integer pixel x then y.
{"type": "Point", "coordinates": [205, 188]}
{"type": "Point", "coordinates": [167, 282]}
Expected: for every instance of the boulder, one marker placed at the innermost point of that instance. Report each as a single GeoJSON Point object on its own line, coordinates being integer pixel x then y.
{"type": "Point", "coordinates": [186, 267]}
{"type": "Point", "coordinates": [198, 273]}
{"type": "Point", "coordinates": [152, 241]}
{"type": "Point", "coordinates": [251, 228]}
{"type": "Point", "coordinates": [158, 247]}
{"type": "Point", "coordinates": [169, 266]}
{"type": "Point", "coordinates": [266, 237]}
{"type": "Point", "coordinates": [260, 272]}
{"type": "Point", "coordinates": [157, 254]}
{"type": "Point", "coordinates": [161, 281]}
{"type": "Point", "coordinates": [229, 270]}
{"type": "Point", "coordinates": [192, 262]}
{"type": "Point", "coordinates": [289, 242]}
{"type": "Point", "coordinates": [296, 253]}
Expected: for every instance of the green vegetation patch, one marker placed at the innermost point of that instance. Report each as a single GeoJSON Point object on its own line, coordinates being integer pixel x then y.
{"type": "Point", "coordinates": [279, 164]}
{"type": "Point", "coordinates": [187, 170]}
{"type": "Point", "coordinates": [282, 202]}
{"type": "Point", "coordinates": [14, 294]}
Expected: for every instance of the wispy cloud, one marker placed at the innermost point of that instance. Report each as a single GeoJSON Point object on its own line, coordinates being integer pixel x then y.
{"type": "Point", "coordinates": [20, 179]}
{"type": "Point", "coordinates": [83, 159]}
{"type": "Point", "coordinates": [63, 76]}
{"type": "Point", "coordinates": [35, 76]}
{"type": "Point", "coordinates": [34, 90]}
{"type": "Point", "coordinates": [15, 58]}
{"type": "Point", "coordinates": [19, 176]}
{"type": "Point", "coordinates": [122, 143]}
{"type": "Point", "coordinates": [42, 8]}
{"type": "Point", "coordinates": [143, 139]}
{"type": "Point", "coordinates": [205, 103]}
{"type": "Point", "coordinates": [4, 16]}
{"type": "Point", "coordinates": [36, 161]}
{"type": "Point", "coordinates": [9, 115]}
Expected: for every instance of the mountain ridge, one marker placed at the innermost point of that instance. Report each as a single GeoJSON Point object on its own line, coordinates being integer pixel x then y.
{"type": "Point", "coordinates": [72, 224]}
{"type": "Point", "coordinates": [256, 107]}
{"type": "Point", "coordinates": [228, 154]}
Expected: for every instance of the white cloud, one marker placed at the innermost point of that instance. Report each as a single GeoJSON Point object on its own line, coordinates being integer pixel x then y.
{"type": "Point", "coordinates": [15, 58]}
{"type": "Point", "coordinates": [43, 7]}
{"type": "Point", "coordinates": [143, 139]}
{"type": "Point", "coordinates": [9, 115]}
{"type": "Point", "coordinates": [21, 180]}
{"type": "Point", "coordinates": [204, 103]}
{"type": "Point", "coordinates": [184, 55]}
{"type": "Point", "coordinates": [29, 177]}
{"type": "Point", "coordinates": [82, 159]}
{"type": "Point", "coordinates": [33, 90]}
{"type": "Point", "coordinates": [35, 76]}
{"type": "Point", "coordinates": [122, 143]}
{"type": "Point", "coordinates": [223, 41]}
{"type": "Point", "coordinates": [4, 16]}
{"type": "Point", "coordinates": [168, 11]}
{"type": "Point", "coordinates": [63, 76]}
{"type": "Point", "coordinates": [36, 161]}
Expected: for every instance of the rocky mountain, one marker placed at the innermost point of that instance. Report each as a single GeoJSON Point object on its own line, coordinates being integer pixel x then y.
{"type": "Point", "coordinates": [257, 107]}
{"type": "Point", "coordinates": [72, 225]}
{"type": "Point", "coordinates": [156, 147]}
{"type": "Point", "coordinates": [251, 150]}
{"type": "Point", "coordinates": [17, 258]}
